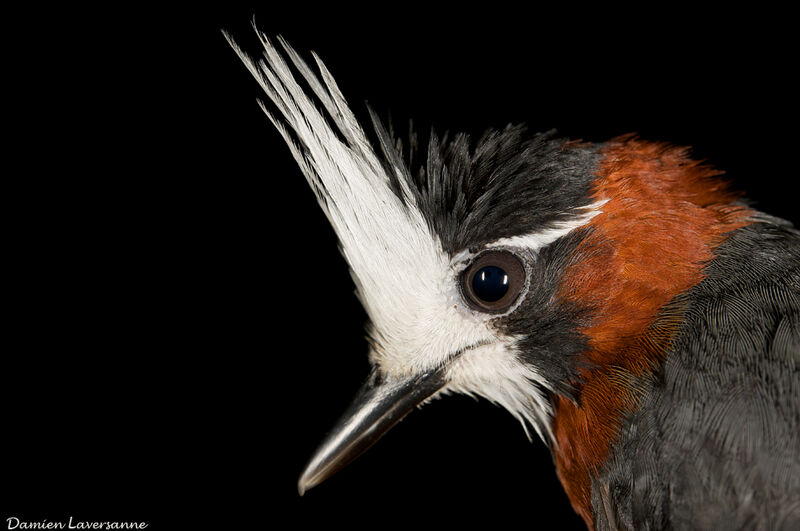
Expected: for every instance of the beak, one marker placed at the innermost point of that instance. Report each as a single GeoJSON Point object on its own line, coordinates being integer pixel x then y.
{"type": "Point", "coordinates": [377, 407]}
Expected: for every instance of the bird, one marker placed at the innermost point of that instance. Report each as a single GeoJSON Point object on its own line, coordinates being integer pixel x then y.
{"type": "Point", "coordinates": [620, 299]}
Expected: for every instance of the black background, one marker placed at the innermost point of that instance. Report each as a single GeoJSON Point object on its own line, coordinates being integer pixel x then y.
{"type": "Point", "coordinates": [181, 329]}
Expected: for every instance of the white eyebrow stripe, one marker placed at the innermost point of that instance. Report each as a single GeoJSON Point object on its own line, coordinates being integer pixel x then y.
{"type": "Point", "coordinates": [540, 239]}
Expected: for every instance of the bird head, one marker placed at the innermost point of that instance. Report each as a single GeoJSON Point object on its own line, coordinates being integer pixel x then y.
{"type": "Point", "coordinates": [539, 273]}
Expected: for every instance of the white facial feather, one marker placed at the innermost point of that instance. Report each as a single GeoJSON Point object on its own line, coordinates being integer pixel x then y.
{"type": "Point", "coordinates": [540, 239]}
{"type": "Point", "coordinates": [494, 372]}
{"type": "Point", "coordinates": [406, 281]}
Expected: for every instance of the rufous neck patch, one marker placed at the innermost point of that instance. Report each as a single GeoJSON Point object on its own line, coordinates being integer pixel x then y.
{"type": "Point", "coordinates": [664, 216]}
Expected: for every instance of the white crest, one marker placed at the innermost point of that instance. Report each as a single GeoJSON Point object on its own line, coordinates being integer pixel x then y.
{"type": "Point", "coordinates": [386, 244]}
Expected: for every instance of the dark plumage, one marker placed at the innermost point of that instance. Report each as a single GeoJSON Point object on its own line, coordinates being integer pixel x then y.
{"type": "Point", "coordinates": [506, 183]}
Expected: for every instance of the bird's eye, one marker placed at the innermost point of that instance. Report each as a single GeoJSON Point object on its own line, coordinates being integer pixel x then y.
{"type": "Point", "coordinates": [493, 281]}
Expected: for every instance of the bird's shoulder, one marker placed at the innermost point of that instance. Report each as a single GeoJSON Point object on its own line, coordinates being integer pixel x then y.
{"type": "Point", "coordinates": [716, 440]}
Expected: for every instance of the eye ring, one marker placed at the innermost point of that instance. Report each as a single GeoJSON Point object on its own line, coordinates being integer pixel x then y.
{"type": "Point", "coordinates": [493, 281]}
